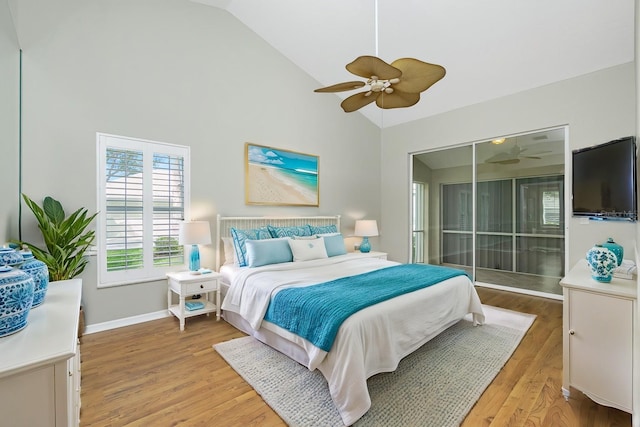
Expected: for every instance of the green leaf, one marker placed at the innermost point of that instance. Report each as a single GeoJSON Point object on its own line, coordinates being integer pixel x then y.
{"type": "Point", "coordinates": [53, 209]}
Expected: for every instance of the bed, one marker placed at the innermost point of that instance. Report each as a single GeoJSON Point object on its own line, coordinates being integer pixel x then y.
{"type": "Point", "coordinates": [372, 340]}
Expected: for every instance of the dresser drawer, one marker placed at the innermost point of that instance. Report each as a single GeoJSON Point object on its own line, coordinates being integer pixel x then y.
{"type": "Point", "coordinates": [198, 287]}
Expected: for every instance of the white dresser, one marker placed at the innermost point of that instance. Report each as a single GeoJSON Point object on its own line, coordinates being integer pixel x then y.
{"type": "Point", "coordinates": [598, 321]}
{"type": "Point", "coordinates": [40, 365]}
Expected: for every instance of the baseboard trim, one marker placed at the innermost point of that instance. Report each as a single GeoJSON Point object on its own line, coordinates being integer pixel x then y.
{"type": "Point", "coordinates": [127, 321]}
{"type": "Point", "coordinates": [520, 291]}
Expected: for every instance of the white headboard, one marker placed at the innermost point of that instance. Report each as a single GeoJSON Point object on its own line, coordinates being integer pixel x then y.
{"type": "Point", "coordinates": [225, 223]}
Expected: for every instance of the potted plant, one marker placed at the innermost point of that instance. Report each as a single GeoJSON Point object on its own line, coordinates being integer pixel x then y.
{"type": "Point", "coordinates": [66, 238]}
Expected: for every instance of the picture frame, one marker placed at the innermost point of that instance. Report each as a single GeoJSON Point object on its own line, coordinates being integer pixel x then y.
{"type": "Point", "coordinates": [280, 177]}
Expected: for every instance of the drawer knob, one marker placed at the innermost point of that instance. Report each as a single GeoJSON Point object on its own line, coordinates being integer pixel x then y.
{"type": "Point", "coordinates": [572, 332]}
{"type": "Point", "coordinates": [201, 286]}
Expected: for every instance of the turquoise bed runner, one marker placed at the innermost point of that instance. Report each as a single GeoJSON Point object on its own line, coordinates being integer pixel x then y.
{"type": "Point", "coordinates": [316, 312]}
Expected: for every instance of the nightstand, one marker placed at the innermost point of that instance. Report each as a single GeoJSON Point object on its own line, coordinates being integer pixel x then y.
{"type": "Point", "coordinates": [185, 284]}
{"type": "Point", "coordinates": [381, 255]}
{"type": "Point", "coordinates": [373, 254]}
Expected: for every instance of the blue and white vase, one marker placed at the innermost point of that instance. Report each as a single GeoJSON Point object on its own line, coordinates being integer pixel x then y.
{"type": "Point", "coordinates": [602, 263]}
{"type": "Point", "coordinates": [617, 250]}
{"type": "Point", "coordinates": [39, 272]}
{"type": "Point", "coordinates": [9, 256]}
{"type": "Point", "coordinates": [16, 298]}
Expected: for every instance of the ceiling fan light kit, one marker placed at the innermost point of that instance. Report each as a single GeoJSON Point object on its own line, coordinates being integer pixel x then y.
{"type": "Point", "coordinates": [395, 85]}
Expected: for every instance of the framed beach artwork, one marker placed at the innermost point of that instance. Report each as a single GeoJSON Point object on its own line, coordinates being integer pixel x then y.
{"type": "Point", "coordinates": [274, 176]}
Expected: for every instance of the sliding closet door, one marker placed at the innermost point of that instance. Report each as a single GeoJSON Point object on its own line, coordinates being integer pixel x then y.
{"type": "Point", "coordinates": [502, 218]}
{"type": "Point", "coordinates": [520, 212]}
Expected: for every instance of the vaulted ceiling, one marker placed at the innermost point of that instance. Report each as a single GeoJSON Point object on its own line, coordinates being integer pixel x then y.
{"type": "Point", "coordinates": [490, 48]}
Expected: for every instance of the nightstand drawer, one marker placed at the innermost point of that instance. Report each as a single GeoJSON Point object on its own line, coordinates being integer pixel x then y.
{"type": "Point", "coordinates": [194, 288]}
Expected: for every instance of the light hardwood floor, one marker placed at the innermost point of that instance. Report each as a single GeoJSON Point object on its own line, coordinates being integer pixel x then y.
{"type": "Point", "coordinates": [152, 374]}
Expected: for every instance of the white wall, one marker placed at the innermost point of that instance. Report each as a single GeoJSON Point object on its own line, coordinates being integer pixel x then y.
{"type": "Point", "coordinates": [178, 72]}
{"type": "Point", "coordinates": [9, 102]}
{"type": "Point", "coordinates": [597, 107]}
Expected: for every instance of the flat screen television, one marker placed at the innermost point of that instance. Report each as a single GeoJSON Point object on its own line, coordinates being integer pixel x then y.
{"type": "Point", "coordinates": [604, 180]}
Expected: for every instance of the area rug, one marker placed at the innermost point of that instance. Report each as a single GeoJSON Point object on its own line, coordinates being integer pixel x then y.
{"type": "Point", "coordinates": [437, 385]}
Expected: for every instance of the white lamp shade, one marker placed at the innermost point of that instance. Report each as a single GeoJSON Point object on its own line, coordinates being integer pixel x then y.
{"type": "Point", "coordinates": [366, 228]}
{"type": "Point", "coordinates": [194, 233]}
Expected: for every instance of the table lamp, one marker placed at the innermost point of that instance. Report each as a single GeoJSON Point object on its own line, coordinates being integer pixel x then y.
{"type": "Point", "coordinates": [366, 228]}
{"type": "Point", "coordinates": [194, 233]}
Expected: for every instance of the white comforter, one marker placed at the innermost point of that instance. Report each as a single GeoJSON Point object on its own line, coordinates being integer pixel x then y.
{"type": "Point", "coordinates": [372, 340]}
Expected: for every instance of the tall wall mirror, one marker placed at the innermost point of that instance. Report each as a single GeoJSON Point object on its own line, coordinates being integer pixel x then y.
{"type": "Point", "coordinates": [496, 209]}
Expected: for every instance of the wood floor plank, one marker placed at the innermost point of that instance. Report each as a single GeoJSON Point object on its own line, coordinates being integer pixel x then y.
{"type": "Point", "coordinates": [153, 374]}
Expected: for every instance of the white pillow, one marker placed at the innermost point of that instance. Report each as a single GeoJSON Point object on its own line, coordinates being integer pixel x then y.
{"type": "Point", "coordinates": [306, 250]}
{"type": "Point", "coordinates": [305, 237]}
{"type": "Point", "coordinates": [230, 256]}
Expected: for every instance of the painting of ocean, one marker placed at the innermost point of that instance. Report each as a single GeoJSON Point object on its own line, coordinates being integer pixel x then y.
{"type": "Point", "coordinates": [280, 177]}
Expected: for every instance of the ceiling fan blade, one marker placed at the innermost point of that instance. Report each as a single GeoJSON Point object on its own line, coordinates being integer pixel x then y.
{"type": "Point", "coordinates": [341, 87]}
{"type": "Point", "coordinates": [507, 162]}
{"type": "Point", "coordinates": [367, 66]}
{"type": "Point", "coordinates": [397, 99]}
{"type": "Point", "coordinates": [501, 157]}
{"type": "Point", "coordinates": [417, 76]}
{"type": "Point", "coordinates": [357, 101]}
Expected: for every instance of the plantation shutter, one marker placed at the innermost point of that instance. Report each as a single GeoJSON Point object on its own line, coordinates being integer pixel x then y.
{"type": "Point", "coordinates": [168, 208]}
{"type": "Point", "coordinates": [124, 209]}
{"type": "Point", "coordinates": [143, 187]}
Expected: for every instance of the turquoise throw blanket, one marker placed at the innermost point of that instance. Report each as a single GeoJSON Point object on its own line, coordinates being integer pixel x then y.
{"type": "Point", "coordinates": [316, 312]}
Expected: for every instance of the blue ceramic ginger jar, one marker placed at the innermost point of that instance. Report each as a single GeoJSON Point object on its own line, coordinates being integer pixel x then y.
{"type": "Point", "coordinates": [16, 297]}
{"type": "Point", "coordinates": [9, 256]}
{"type": "Point", "coordinates": [617, 250]}
{"type": "Point", "coordinates": [39, 272]}
{"type": "Point", "coordinates": [602, 263]}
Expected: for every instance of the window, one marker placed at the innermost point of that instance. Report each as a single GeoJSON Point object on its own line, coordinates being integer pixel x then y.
{"type": "Point", "coordinates": [551, 208]}
{"type": "Point", "coordinates": [143, 189]}
{"type": "Point", "coordinates": [525, 235]}
{"type": "Point", "coordinates": [417, 244]}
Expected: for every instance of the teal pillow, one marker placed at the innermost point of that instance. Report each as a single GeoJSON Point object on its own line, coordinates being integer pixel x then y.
{"type": "Point", "coordinates": [268, 251]}
{"type": "Point", "coordinates": [334, 245]}
{"type": "Point", "coordinates": [303, 230]}
{"type": "Point", "coordinates": [241, 236]}
{"type": "Point", "coordinates": [323, 229]}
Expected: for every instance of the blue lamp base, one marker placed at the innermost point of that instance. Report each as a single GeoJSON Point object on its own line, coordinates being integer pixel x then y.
{"type": "Point", "coordinates": [194, 258]}
{"type": "Point", "coordinates": [365, 246]}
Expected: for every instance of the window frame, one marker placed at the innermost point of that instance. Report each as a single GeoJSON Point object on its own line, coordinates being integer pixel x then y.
{"type": "Point", "coordinates": [148, 272]}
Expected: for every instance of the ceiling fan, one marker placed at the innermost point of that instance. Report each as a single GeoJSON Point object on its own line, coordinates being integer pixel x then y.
{"type": "Point", "coordinates": [513, 156]}
{"type": "Point", "coordinates": [394, 85]}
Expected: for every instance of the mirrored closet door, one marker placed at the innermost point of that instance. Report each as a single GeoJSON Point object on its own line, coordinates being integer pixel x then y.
{"type": "Point", "coordinates": [494, 208]}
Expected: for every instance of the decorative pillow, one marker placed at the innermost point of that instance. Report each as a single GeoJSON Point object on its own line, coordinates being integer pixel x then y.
{"type": "Point", "coordinates": [305, 237]}
{"type": "Point", "coordinates": [306, 250]}
{"type": "Point", "coordinates": [323, 229]}
{"type": "Point", "coordinates": [303, 230]}
{"type": "Point", "coordinates": [268, 251]}
{"type": "Point", "coordinates": [229, 252]}
{"type": "Point", "coordinates": [241, 236]}
{"type": "Point", "coordinates": [334, 244]}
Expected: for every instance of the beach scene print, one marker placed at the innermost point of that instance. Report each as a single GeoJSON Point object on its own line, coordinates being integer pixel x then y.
{"type": "Point", "coordinates": [280, 177]}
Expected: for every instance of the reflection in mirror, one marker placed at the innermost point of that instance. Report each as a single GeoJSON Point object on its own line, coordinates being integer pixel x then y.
{"type": "Point", "coordinates": [519, 210]}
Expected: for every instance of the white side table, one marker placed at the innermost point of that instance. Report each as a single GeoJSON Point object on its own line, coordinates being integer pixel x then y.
{"type": "Point", "coordinates": [375, 254]}
{"type": "Point", "coordinates": [186, 284]}
{"type": "Point", "coordinates": [372, 254]}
